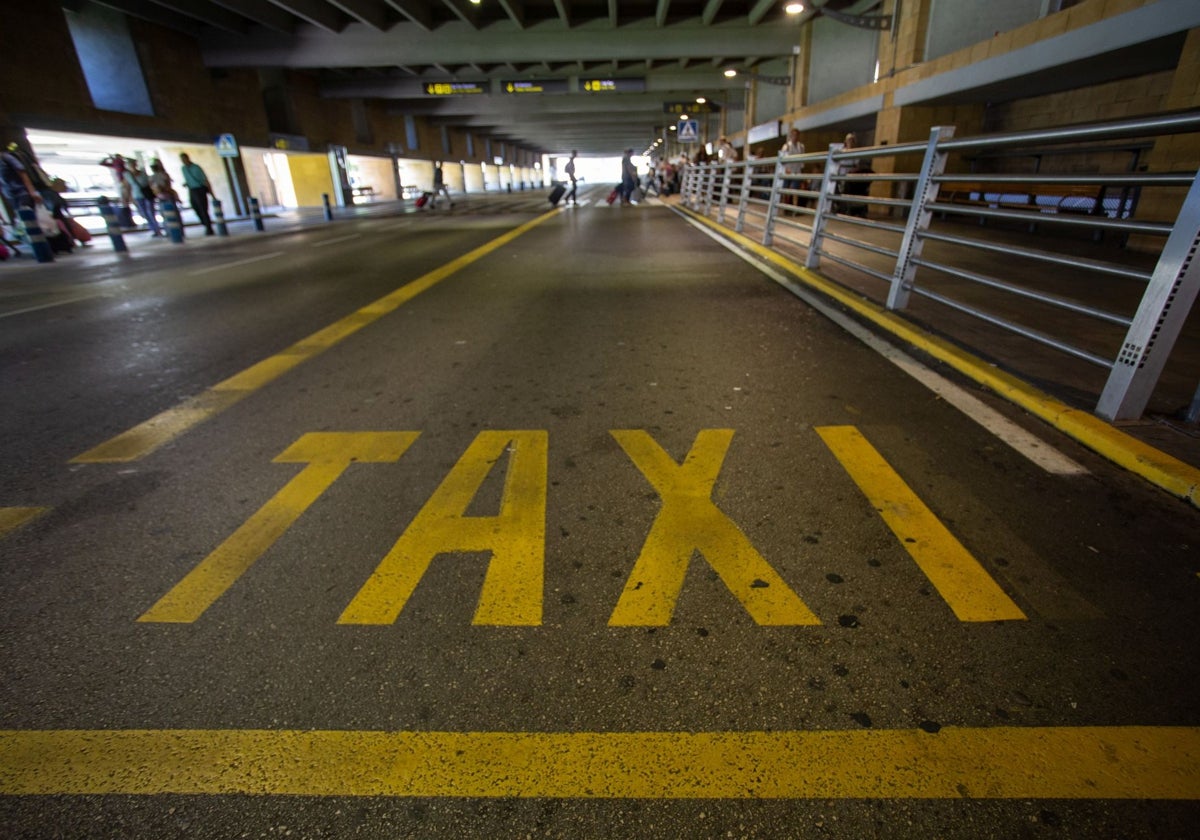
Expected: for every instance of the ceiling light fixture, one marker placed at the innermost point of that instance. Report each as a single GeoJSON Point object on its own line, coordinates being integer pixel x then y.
{"type": "Point", "coordinates": [794, 8]}
{"type": "Point", "coordinates": [730, 73]}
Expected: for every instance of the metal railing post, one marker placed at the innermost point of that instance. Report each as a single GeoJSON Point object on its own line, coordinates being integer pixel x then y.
{"type": "Point", "coordinates": [1159, 319]}
{"type": "Point", "coordinates": [924, 193]}
{"type": "Point", "coordinates": [773, 203]}
{"type": "Point", "coordinates": [726, 173]}
{"type": "Point", "coordinates": [744, 197]}
{"type": "Point", "coordinates": [710, 188]}
{"type": "Point", "coordinates": [813, 260]}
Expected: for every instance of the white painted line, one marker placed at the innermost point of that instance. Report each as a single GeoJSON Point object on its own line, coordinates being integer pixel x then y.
{"type": "Point", "coordinates": [236, 263]}
{"type": "Point", "coordinates": [1024, 443]}
{"type": "Point", "coordinates": [52, 305]}
{"type": "Point", "coordinates": [325, 242]}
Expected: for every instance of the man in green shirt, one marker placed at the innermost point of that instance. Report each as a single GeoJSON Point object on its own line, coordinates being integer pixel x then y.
{"type": "Point", "coordinates": [198, 190]}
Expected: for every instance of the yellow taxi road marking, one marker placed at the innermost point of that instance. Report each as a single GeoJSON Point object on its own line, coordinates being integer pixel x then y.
{"type": "Point", "coordinates": [336, 239]}
{"type": "Point", "coordinates": [145, 438]}
{"type": "Point", "coordinates": [512, 588]}
{"type": "Point", "coordinates": [12, 518]}
{"type": "Point", "coordinates": [236, 263]}
{"type": "Point", "coordinates": [689, 521]}
{"type": "Point", "coordinates": [1117, 762]}
{"type": "Point", "coordinates": [967, 588]}
{"type": "Point", "coordinates": [327, 455]}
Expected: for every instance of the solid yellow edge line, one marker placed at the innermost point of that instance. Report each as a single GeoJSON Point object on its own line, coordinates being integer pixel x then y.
{"type": "Point", "coordinates": [12, 518]}
{"type": "Point", "coordinates": [148, 436]}
{"type": "Point", "coordinates": [959, 578]}
{"type": "Point", "coordinates": [1119, 762]}
{"type": "Point", "coordinates": [1171, 474]}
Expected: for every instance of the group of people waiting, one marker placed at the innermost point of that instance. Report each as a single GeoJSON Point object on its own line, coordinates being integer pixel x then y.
{"type": "Point", "coordinates": [144, 189]}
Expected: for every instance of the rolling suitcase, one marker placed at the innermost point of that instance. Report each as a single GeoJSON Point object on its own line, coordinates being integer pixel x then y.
{"type": "Point", "coordinates": [557, 193]}
{"type": "Point", "coordinates": [423, 199]}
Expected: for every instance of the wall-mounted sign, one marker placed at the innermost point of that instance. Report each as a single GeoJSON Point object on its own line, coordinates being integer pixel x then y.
{"type": "Point", "coordinates": [678, 108]}
{"type": "Point", "coordinates": [288, 142]}
{"type": "Point", "coordinates": [535, 86]}
{"type": "Point", "coordinates": [613, 85]}
{"type": "Point", "coordinates": [454, 88]}
{"type": "Point", "coordinates": [227, 146]}
{"type": "Point", "coordinates": [766, 131]}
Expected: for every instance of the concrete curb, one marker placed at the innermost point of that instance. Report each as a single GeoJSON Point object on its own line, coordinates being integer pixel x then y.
{"type": "Point", "coordinates": [1169, 473]}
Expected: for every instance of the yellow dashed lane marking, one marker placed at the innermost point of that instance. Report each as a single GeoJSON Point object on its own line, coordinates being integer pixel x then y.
{"type": "Point", "coordinates": [12, 518]}
{"type": "Point", "coordinates": [146, 437]}
{"type": "Point", "coordinates": [969, 590]}
{"type": "Point", "coordinates": [1123, 762]}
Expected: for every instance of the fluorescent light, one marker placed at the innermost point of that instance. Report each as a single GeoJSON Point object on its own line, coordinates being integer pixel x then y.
{"type": "Point", "coordinates": [794, 8]}
{"type": "Point", "coordinates": [700, 100]}
{"type": "Point", "coordinates": [730, 73]}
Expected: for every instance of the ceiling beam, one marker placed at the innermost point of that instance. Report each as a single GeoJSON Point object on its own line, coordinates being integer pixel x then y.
{"type": "Point", "coordinates": [660, 14]}
{"type": "Point", "coordinates": [515, 9]}
{"type": "Point", "coordinates": [710, 11]}
{"type": "Point", "coordinates": [148, 11]}
{"type": "Point", "coordinates": [612, 13]}
{"type": "Point", "coordinates": [564, 12]}
{"type": "Point", "coordinates": [502, 41]}
{"type": "Point", "coordinates": [316, 12]}
{"type": "Point", "coordinates": [464, 11]}
{"type": "Point", "coordinates": [417, 12]}
{"type": "Point", "coordinates": [206, 13]}
{"type": "Point", "coordinates": [261, 12]}
{"type": "Point", "coordinates": [371, 12]}
{"type": "Point", "coordinates": [759, 10]}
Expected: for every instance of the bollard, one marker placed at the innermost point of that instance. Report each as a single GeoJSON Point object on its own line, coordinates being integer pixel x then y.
{"type": "Point", "coordinates": [328, 209]}
{"type": "Point", "coordinates": [41, 248]}
{"type": "Point", "coordinates": [114, 229]}
{"type": "Point", "coordinates": [219, 218]}
{"type": "Point", "coordinates": [256, 214]}
{"type": "Point", "coordinates": [174, 223]}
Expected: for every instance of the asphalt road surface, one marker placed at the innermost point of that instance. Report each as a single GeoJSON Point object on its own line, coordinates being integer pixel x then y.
{"type": "Point", "coordinates": [505, 523]}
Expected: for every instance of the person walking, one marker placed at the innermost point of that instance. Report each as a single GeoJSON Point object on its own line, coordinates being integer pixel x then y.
{"type": "Point", "coordinates": [143, 195]}
{"type": "Point", "coordinates": [198, 191]}
{"type": "Point", "coordinates": [570, 170]}
{"type": "Point", "coordinates": [629, 177]}
{"type": "Point", "coordinates": [439, 186]}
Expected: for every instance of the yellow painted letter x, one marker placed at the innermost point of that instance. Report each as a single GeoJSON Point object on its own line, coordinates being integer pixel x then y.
{"type": "Point", "coordinates": [689, 521]}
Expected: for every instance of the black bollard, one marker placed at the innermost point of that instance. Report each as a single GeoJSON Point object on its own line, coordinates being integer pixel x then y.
{"type": "Point", "coordinates": [256, 214]}
{"type": "Point", "coordinates": [219, 218]}
{"type": "Point", "coordinates": [328, 209]}
{"type": "Point", "coordinates": [41, 248]}
{"type": "Point", "coordinates": [114, 228]}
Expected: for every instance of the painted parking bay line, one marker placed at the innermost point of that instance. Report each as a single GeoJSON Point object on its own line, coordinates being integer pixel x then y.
{"type": "Point", "coordinates": [236, 263]}
{"type": "Point", "coordinates": [1118, 762]}
{"type": "Point", "coordinates": [148, 436]}
{"type": "Point", "coordinates": [967, 588]}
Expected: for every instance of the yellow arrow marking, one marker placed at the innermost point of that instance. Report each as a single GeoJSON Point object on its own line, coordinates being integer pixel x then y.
{"type": "Point", "coordinates": [969, 590]}
{"type": "Point", "coordinates": [327, 454]}
{"type": "Point", "coordinates": [512, 589]}
{"type": "Point", "coordinates": [687, 522]}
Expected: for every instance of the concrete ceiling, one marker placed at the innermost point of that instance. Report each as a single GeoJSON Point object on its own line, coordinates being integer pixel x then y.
{"type": "Point", "coordinates": [663, 50]}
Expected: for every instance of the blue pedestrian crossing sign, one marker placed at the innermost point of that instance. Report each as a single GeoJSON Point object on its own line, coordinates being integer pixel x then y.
{"type": "Point", "coordinates": [688, 131]}
{"type": "Point", "coordinates": [227, 146]}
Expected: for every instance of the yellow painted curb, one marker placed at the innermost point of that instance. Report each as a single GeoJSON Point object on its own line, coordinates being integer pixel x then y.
{"type": "Point", "coordinates": [1159, 468]}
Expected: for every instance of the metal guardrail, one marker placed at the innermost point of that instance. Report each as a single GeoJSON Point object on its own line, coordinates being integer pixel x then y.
{"type": "Point", "coordinates": [789, 207]}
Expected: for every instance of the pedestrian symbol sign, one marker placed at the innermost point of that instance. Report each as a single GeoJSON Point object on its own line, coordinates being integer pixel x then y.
{"type": "Point", "coordinates": [688, 131]}
{"type": "Point", "coordinates": [227, 146]}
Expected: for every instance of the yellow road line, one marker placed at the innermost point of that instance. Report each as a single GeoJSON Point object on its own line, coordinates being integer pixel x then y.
{"type": "Point", "coordinates": [1171, 474]}
{"type": "Point", "coordinates": [969, 590]}
{"type": "Point", "coordinates": [148, 436]}
{"type": "Point", "coordinates": [12, 518]}
{"type": "Point", "coordinates": [1121, 762]}
{"type": "Point", "coordinates": [327, 455]}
